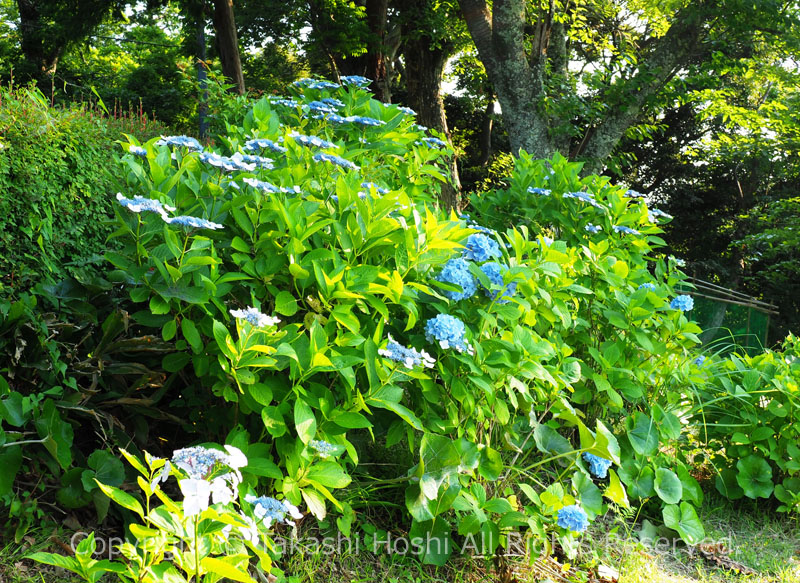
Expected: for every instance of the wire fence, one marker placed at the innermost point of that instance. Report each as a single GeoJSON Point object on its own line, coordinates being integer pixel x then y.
{"type": "Point", "coordinates": [728, 316]}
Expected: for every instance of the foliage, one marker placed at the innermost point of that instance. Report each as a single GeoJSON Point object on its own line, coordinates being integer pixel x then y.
{"type": "Point", "coordinates": [54, 212]}
{"type": "Point", "coordinates": [747, 413]}
{"type": "Point", "coordinates": [207, 542]}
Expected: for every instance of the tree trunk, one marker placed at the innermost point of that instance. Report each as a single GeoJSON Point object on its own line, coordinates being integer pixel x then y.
{"type": "Point", "coordinates": [41, 59]}
{"type": "Point", "coordinates": [485, 140]}
{"type": "Point", "coordinates": [228, 44]}
{"type": "Point", "coordinates": [424, 66]}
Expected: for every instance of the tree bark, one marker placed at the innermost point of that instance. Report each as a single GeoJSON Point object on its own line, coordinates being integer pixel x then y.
{"type": "Point", "coordinates": [41, 59]}
{"type": "Point", "coordinates": [485, 140]}
{"type": "Point", "coordinates": [228, 44]}
{"type": "Point", "coordinates": [424, 66]}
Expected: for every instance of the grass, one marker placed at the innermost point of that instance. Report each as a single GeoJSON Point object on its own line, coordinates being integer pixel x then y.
{"type": "Point", "coordinates": [764, 541]}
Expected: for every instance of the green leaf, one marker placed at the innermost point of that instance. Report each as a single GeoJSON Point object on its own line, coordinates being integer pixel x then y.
{"type": "Point", "coordinates": [285, 303]}
{"type": "Point", "coordinates": [225, 569]}
{"type": "Point", "coordinates": [643, 434]}
{"type": "Point", "coordinates": [56, 433]}
{"type": "Point", "coordinates": [754, 477]}
{"type": "Point", "coordinates": [727, 484]}
{"type": "Point", "coordinates": [684, 519]}
{"type": "Point", "coordinates": [10, 461]}
{"type": "Point", "coordinates": [304, 421]}
{"type": "Point", "coordinates": [107, 469]}
{"type": "Point", "coordinates": [61, 561]}
{"type": "Point", "coordinates": [588, 493]}
{"type": "Point", "coordinates": [668, 486]}
{"type": "Point", "coordinates": [191, 334]}
{"type": "Point", "coordinates": [176, 361]}
{"type": "Point", "coordinates": [549, 441]}
{"type": "Point", "coordinates": [329, 474]}
{"type": "Point", "coordinates": [691, 489]}
{"type": "Point", "coordinates": [122, 498]}
{"type": "Point", "coordinates": [615, 491]}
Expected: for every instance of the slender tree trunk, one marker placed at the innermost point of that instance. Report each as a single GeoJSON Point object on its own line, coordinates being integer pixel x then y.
{"type": "Point", "coordinates": [42, 60]}
{"type": "Point", "coordinates": [485, 139]}
{"type": "Point", "coordinates": [424, 66]}
{"type": "Point", "coordinates": [228, 44]}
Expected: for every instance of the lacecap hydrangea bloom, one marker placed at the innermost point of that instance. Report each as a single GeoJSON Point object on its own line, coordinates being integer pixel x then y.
{"type": "Point", "coordinates": [494, 271]}
{"type": "Point", "coordinates": [137, 151]}
{"type": "Point", "coordinates": [180, 142]}
{"type": "Point", "coordinates": [598, 466]}
{"type": "Point", "coordinates": [323, 448]}
{"type": "Point", "coordinates": [448, 331]}
{"type": "Point", "coordinates": [254, 317]}
{"type": "Point", "coordinates": [192, 222]}
{"type": "Point", "coordinates": [336, 160]}
{"type": "Point", "coordinates": [270, 510]}
{"type": "Point", "coordinates": [203, 466]}
{"type": "Point", "coordinates": [539, 191]}
{"type": "Point", "coordinates": [139, 204]}
{"type": "Point", "coordinates": [683, 303]}
{"type": "Point", "coordinates": [263, 144]}
{"type": "Point", "coordinates": [625, 230]}
{"type": "Point", "coordinates": [573, 518]}
{"type": "Point", "coordinates": [410, 357]}
{"type": "Point", "coordinates": [481, 248]}
{"type": "Point", "coordinates": [700, 360]}
{"type": "Point", "coordinates": [315, 84]}
{"type": "Point", "coordinates": [593, 229]}
{"type": "Point", "coordinates": [456, 271]}
{"type": "Point", "coordinates": [435, 142]}
{"type": "Point", "coordinates": [648, 285]}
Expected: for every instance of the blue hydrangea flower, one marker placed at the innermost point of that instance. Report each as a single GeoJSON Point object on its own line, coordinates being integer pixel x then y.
{"type": "Point", "coordinates": [573, 518]}
{"type": "Point", "coordinates": [309, 141]}
{"type": "Point", "coordinates": [435, 142]}
{"type": "Point", "coordinates": [494, 271]}
{"type": "Point", "coordinates": [406, 110]}
{"type": "Point", "coordinates": [333, 159]}
{"type": "Point", "coordinates": [456, 271]}
{"type": "Point", "coordinates": [139, 204]}
{"type": "Point", "coordinates": [633, 194]}
{"type": "Point", "coordinates": [677, 262]}
{"type": "Point", "coordinates": [333, 102]}
{"type": "Point", "coordinates": [480, 248]}
{"type": "Point", "coordinates": [263, 143]}
{"type": "Point", "coordinates": [137, 151]}
{"type": "Point", "coordinates": [598, 466]}
{"type": "Point", "coordinates": [356, 80]}
{"type": "Point", "coordinates": [271, 510]}
{"type": "Point", "coordinates": [235, 162]}
{"type": "Point", "coordinates": [625, 230]}
{"type": "Point", "coordinates": [320, 107]}
{"type": "Point", "coordinates": [683, 302]}
{"type": "Point", "coordinates": [315, 84]}
{"type": "Point", "coordinates": [261, 185]}
{"type": "Point", "coordinates": [198, 462]}
{"type": "Point", "coordinates": [365, 121]}
{"type": "Point", "coordinates": [254, 317]}
{"type": "Point", "coordinates": [258, 161]}
{"type": "Point", "coordinates": [583, 196]}
{"type": "Point", "coordinates": [540, 191]}
{"type": "Point", "coordinates": [593, 229]}
{"type": "Point", "coordinates": [410, 357]}
{"type": "Point", "coordinates": [420, 128]}
{"type": "Point", "coordinates": [449, 332]}
{"type": "Point", "coordinates": [654, 214]}
{"type": "Point", "coordinates": [700, 360]}
{"type": "Point", "coordinates": [323, 448]}
{"type": "Point", "coordinates": [650, 286]}
{"type": "Point", "coordinates": [180, 142]}
{"type": "Point", "coordinates": [378, 189]}
{"type": "Point", "coordinates": [331, 117]}
{"type": "Point", "coordinates": [192, 222]}
{"type": "Point", "coordinates": [283, 101]}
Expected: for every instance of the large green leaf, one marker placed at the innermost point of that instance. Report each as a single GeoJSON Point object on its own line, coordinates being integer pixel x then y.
{"type": "Point", "coordinates": [304, 421]}
{"type": "Point", "coordinates": [684, 519]}
{"type": "Point", "coordinates": [754, 477]}
{"type": "Point", "coordinates": [643, 434]}
{"type": "Point", "coordinates": [668, 486]}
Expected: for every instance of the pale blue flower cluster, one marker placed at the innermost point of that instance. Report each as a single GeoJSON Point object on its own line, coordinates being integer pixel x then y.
{"type": "Point", "coordinates": [192, 222]}
{"type": "Point", "coordinates": [356, 80]}
{"type": "Point", "coordinates": [372, 185]}
{"type": "Point", "coordinates": [420, 128]}
{"type": "Point", "coordinates": [263, 143]}
{"type": "Point", "coordinates": [198, 462]}
{"type": "Point", "coordinates": [310, 141]}
{"type": "Point", "coordinates": [333, 159]}
{"type": "Point", "coordinates": [271, 510]}
{"type": "Point", "coordinates": [259, 161]}
{"type": "Point", "coordinates": [683, 303]}
{"type": "Point", "coordinates": [228, 164]}
{"type": "Point", "coordinates": [593, 229]}
{"type": "Point", "coordinates": [321, 107]}
{"type": "Point", "coordinates": [331, 117]}
{"type": "Point", "coordinates": [494, 272]}
{"type": "Point", "coordinates": [649, 285]}
{"type": "Point", "coordinates": [481, 248]}
{"type": "Point", "coordinates": [700, 360]}
{"type": "Point", "coordinates": [573, 518]}
{"type": "Point", "coordinates": [633, 194]}
{"type": "Point", "coordinates": [285, 102]}
{"type": "Point", "coordinates": [625, 230]}
{"type": "Point", "coordinates": [406, 110]}
{"type": "Point", "coordinates": [456, 271]}
{"type": "Point", "coordinates": [315, 84]}
{"type": "Point", "coordinates": [254, 317]}
{"type": "Point", "coordinates": [410, 357]}
{"type": "Point", "coordinates": [180, 142]}
{"type": "Point", "coordinates": [323, 448]}
{"type": "Point", "coordinates": [654, 214]}
{"type": "Point", "coordinates": [584, 196]}
{"type": "Point", "coordinates": [365, 121]}
{"type": "Point", "coordinates": [448, 331]}
{"type": "Point", "coordinates": [333, 102]}
{"type": "Point", "coordinates": [139, 204]}
{"type": "Point", "coordinates": [435, 142]}
{"type": "Point", "coordinates": [678, 262]}
{"type": "Point", "coordinates": [539, 191]}
{"type": "Point", "coordinates": [137, 151]}
{"type": "Point", "coordinates": [269, 187]}
{"type": "Point", "coordinates": [598, 466]}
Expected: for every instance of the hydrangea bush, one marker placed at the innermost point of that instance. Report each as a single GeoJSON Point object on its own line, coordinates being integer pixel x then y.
{"type": "Point", "coordinates": [316, 296]}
